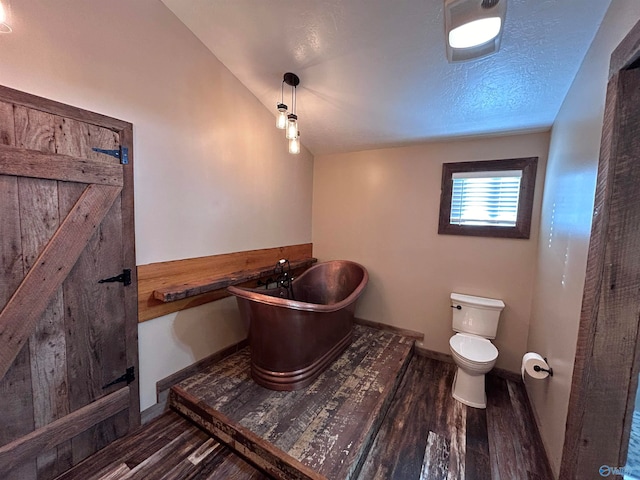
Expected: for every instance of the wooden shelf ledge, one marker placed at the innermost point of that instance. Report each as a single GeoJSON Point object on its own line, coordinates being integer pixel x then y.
{"type": "Point", "coordinates": [181, 274]}
{"type": "Point", "coordinates": [185, 290]}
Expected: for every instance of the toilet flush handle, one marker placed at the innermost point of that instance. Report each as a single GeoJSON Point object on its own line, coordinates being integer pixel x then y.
{"type": "Point", "coordinates": [459, 307]}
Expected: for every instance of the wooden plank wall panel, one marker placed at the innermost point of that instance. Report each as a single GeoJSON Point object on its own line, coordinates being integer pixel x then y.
{"type": "Point", "coordinates": [15, 388]}
{"type": "Point", "coordinates": [40, 217]}
{"type": "Point", "coordinates": [164, 274]}
{"type": "Point", "coordinates": [7, 125]}
{"type": "Point", "coordinates": [96, 345]}
{"type": "Point", "coordinates": [47, 344]}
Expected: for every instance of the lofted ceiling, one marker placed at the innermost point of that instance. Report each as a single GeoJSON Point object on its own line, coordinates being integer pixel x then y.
{"type": "Point", "coordinates": [374, 73]}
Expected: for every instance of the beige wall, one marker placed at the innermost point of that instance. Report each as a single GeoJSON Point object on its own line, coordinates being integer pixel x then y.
{"type": "Point", "coordinates": [565, 226]}
{"type": "Point", "coordinates": [212, 174]}
{"type": "Point", "coordinates": [380, 208]}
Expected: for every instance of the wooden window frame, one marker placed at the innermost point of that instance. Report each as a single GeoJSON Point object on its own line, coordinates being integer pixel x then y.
{"type": "Point", "coordinates": [522, 229]}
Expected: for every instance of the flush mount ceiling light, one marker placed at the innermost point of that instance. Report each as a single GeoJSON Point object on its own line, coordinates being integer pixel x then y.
{"type": "Point", "coordinates": [473, 28]}
{"type": "Point", "coordinates": [289, 121]}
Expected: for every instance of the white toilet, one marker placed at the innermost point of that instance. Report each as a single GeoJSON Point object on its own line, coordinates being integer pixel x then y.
{"type": "Point", "coordinates": [476, 320]}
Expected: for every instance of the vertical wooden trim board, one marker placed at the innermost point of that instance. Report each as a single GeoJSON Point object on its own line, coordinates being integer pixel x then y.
{"type": "Point", "coordinates": [605, 372]}
{"type": "Point", "coordinates": [129, 259]}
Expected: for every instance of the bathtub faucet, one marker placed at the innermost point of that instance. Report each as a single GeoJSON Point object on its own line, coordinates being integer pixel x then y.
{"type": "Point", "coordinates": [282, 271]}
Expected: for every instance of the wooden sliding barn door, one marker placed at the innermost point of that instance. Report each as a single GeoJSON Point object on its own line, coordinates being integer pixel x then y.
{"type": "Point", "coordinates": [68, 342]}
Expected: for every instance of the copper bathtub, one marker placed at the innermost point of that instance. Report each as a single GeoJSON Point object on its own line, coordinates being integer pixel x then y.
{"type": "Point", "coordinates": [293, 340]}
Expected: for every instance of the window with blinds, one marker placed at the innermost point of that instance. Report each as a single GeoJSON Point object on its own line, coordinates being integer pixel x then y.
{"type": "Point", "coordinates": [489, 198]}
{"type": "Point", "coordinates": [485, 198]}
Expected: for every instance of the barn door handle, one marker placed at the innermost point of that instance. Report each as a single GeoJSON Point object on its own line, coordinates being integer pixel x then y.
{"type": "Point", "coordinates": [124, 278]}
{"type": "Point", "coordinates": [128, 377]}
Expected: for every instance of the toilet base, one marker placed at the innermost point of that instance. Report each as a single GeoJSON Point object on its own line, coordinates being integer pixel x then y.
{"type": "Point", "coordinates": [469, 389]}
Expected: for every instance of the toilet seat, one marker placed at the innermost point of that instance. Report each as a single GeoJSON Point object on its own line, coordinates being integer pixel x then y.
{"type": "Point", "coordinates": [473, 348]}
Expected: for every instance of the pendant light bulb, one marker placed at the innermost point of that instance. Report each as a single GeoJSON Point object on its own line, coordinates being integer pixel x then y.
{"type": "Point", "coordinates": [294, 145]}
{"type": "Point", "coordinates": [292, 126]}
{"type": "Point", "coordinates": [281, 119]}
{"type": "Point", "coordinates": [4, 26]}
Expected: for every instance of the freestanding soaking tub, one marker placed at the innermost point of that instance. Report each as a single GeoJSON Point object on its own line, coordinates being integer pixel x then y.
{"type": "Point", "coordinates": [293, 340]}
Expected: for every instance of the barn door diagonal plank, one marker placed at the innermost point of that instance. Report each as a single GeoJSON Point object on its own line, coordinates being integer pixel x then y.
{"type": "Point", "coordinates": [24, 308]}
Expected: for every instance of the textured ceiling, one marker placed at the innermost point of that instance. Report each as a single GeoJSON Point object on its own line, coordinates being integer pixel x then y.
{"type": "Point", "coordinates": [374, 73]}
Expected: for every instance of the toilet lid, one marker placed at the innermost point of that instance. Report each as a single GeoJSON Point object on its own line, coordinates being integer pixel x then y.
{"type": "Point", "coordinates": [474, 348]}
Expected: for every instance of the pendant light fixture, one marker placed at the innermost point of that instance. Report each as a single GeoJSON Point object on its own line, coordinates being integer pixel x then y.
{"type": "Point", "coordinates": [4, 26]}
{"type": "Point", "coordinates": [289, 120]}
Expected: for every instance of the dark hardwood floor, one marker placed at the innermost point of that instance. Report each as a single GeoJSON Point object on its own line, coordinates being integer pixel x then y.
{"type": "Point", "coordinates": [429, 435]}
{"type": "Point", "coordinates": [169, 448]}
{"type": "Point", "coordinates": [425, 435]}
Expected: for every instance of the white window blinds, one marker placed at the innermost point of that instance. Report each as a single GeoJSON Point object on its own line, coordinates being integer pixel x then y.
{"type": "Point", "coordinates": [485, 198]}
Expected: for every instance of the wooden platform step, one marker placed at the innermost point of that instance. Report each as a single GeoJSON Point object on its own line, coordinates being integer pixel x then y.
{"type": "Point", "coordinates": [169, 448]}
{"type": "Point", "coordinates": [321, 432]}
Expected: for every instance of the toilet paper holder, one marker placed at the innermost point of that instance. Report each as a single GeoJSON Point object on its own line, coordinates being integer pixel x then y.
{"type": "Point", "coordinates": [538, 368]}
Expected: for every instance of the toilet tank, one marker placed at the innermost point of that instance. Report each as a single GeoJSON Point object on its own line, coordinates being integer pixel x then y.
{"type": "Point", "coordinates": [476, 315]}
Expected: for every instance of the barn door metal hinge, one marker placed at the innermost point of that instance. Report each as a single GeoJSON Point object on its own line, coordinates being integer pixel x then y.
{"type": "Point", "coordinates": [122, 154]}
{"type": "Point", "coordinates": [124, 278]}
{"type": "Point", "coordinates": [128, 377]}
